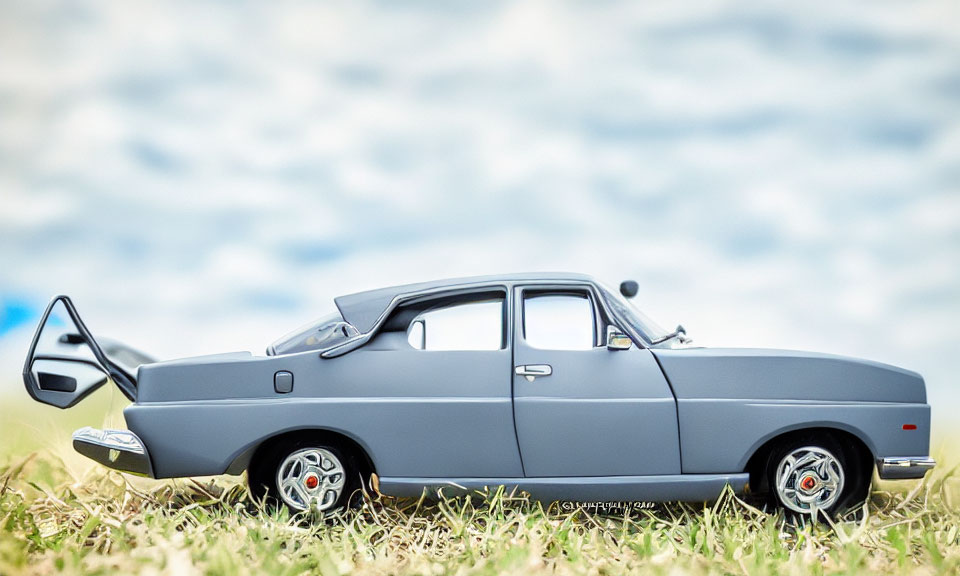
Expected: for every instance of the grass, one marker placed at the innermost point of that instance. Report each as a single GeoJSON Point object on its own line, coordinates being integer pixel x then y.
{"type": "Point", "coordinates": [63, 514]}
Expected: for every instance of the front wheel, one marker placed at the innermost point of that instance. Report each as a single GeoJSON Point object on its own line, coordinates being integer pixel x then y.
{"type": "Point", "coordinates": [813, 477]}
{"type": "Point", "coordinates": [304, 476]}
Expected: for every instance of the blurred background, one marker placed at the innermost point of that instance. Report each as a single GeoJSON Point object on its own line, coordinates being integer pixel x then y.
{"type": "Point", "coordinates": [206, 176]}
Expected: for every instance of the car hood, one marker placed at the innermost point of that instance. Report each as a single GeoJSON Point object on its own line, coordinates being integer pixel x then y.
{"type": "Point", "coordinates": [785, 375]}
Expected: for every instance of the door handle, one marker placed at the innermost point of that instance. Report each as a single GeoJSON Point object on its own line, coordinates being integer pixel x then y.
{"type": "Point", "coordinates": [531, 371]}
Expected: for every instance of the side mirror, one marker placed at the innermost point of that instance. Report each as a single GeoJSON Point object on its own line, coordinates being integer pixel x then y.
{"type": "Point", "coordinates": [617, 340]}
{"type": "Point", "coordinates": [65, 364]}
{"type": "Point", "coordinates": [629, 288]}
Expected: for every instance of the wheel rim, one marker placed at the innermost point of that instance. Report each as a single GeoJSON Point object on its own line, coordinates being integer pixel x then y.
{"type": "Point", "coordinates": [311, 478]}
{"type": "Point", "coordinates": [809, 479]}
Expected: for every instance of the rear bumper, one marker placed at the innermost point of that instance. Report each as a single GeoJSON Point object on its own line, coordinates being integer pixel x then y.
{"type": "Point", "coordinates": [906, 467]}
{"type": "Point", "coordinates": [118, 449]}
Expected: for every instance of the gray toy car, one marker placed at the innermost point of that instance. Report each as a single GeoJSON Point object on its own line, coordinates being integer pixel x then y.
{"type": "Point", "coordinates": [552, 383]}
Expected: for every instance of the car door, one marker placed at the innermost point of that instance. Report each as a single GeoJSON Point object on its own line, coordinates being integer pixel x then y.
{"type": "Point", "coordinates": [582, 410]}
{"type": "Point", "coordinates": [437, 376]}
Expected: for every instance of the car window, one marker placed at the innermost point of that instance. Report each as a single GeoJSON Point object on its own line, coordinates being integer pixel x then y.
{"type": "Point", "coordinates": [463, 326]}
{"type": "Point", "coordinates": [558, 321]}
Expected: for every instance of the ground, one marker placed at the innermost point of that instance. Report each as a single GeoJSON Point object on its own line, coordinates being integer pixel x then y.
{"type": "Point", "coordinates": [63, 514]}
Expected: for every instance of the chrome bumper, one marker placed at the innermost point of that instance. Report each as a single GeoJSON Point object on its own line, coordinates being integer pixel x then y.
{"type": "Point", "coordinates": [902, 468]}
{"type": "Point", "coordinates": [118, 449]}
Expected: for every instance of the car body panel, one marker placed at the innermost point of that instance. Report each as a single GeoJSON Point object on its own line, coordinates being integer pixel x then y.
{"type": "Point", "coordinates": [723, 435]}
{"type": "Point", "coordinates": [754, 395]}
{"type": "Point", "coordinates": [725, 373]}
{"type": "Point", "coordinates": [460, 420]}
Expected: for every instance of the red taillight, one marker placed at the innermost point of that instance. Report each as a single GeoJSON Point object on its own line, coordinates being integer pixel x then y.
{"type": "Point", "coordinates": [909, 426]}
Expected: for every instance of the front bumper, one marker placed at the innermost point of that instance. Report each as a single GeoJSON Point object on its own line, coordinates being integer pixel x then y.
{"type": "Point", "coordinates": [905, 467]}
{"type": "Point", "coordinates": [118, 449]}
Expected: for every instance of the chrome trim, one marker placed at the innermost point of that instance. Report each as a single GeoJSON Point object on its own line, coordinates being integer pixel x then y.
{"type": "Point", "coordinates": [531, 371]}
{"type": "Point", "coordinates": [118, 449]}
{"type": "Point", "coordinates": [904, 467]}
{"type": "Point", "coordinates": [615, 339]}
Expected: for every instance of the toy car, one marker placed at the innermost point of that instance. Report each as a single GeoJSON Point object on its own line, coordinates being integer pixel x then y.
{"type": "Point", "coordinates": [551, 383]}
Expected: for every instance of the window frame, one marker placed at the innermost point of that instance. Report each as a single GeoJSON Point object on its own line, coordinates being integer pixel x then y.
{"type": "Point", "coordinates": [472, 295]}
{"type": "Point", "coordinates": [601, 319]}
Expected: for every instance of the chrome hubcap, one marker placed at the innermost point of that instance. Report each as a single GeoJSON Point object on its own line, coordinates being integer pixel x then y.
{"type": "Point", "coordinates": [310, 478]}
{"type": "Point", "coordinates": [809, 479]}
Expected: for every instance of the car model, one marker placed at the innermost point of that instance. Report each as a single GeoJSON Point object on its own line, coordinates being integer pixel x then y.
{"type": "Point", "coordinates": [551, 383]}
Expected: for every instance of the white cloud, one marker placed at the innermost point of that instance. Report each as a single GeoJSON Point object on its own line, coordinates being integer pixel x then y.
{"type": "Point", "coordinates": [207, 177]}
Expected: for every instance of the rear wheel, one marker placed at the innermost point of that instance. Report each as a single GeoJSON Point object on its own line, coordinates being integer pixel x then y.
{"type": "Point", "coordinates": [816, 475]}
{"type": "Point", "coordinates": [304, 475]}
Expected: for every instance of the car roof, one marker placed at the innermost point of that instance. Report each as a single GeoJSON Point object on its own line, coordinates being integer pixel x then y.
{"type": "Point", "coordinates": [364, 309]}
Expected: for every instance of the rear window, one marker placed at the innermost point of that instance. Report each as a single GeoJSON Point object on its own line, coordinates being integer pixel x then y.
{"type": "Point", "coordinates": [320, 335]}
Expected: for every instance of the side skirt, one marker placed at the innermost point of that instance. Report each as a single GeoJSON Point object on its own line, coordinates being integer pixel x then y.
{"type": "Point", "coordinates": [666, 488]}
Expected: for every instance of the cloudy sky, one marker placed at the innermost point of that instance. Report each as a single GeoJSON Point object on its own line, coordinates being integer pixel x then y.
{"type": "Point", "coordinates": [204, 177]}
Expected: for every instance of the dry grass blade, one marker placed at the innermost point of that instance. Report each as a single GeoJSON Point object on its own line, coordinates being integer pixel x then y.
{"type": "Point", "coordinates": [103, 522]}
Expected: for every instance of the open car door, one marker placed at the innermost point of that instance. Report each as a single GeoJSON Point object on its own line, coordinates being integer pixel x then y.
{"type": "Point", "coordinates": [65, 364]}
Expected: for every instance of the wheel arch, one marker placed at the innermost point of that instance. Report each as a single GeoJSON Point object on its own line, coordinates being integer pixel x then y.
{"type": "Point", "coordinates": [252, 450]}
{"type": "Point", "coordinates": [755, 460]}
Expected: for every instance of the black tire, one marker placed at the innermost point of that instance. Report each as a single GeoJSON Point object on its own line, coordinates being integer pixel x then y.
{"type": "Point", "coordinates": [855, 466]}
{"type": "Point", "coordinates": [264, 467]}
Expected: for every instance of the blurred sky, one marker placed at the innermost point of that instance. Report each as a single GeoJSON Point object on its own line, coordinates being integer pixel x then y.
{"type": "Point", "coordinates": [204, 177]}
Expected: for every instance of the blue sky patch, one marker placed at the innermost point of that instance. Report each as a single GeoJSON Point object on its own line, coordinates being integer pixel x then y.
{"type": "Point", "coordinates": [15, 313]}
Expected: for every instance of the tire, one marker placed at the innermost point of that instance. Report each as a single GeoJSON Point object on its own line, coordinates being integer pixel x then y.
{"type": "Point", "coordinates": [817, 475]}
{"type": "Point", "coordinates": [304, 475]}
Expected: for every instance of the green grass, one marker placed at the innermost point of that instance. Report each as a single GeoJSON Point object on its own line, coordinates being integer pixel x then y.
{"type": "Point", "coordinates": [63, 514]}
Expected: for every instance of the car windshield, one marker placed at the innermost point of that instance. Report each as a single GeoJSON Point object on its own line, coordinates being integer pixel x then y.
{"type": "Point", "coordinates": [639, 321]}
{"type": "Point", "coordinates": [322, 334]}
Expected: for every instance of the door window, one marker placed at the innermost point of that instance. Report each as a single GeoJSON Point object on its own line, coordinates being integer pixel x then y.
{"type": "Point", "coordinates": [553, 321]}
{"type": "Point", "coordinates": [462, 326]}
